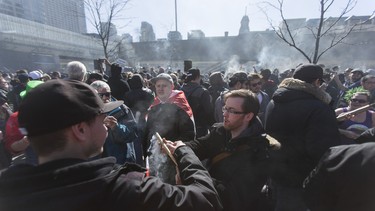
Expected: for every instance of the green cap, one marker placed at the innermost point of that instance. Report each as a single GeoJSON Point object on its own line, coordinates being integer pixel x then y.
{"type": "Point", "coordinates": [29, 86]}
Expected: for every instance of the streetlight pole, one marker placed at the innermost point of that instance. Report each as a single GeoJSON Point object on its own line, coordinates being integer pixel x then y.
{"type": "Point", "coordinates": [175, 12]}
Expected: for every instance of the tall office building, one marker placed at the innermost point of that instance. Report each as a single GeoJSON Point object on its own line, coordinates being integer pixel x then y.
{"type": "Point", "coordinates": [63, 14]}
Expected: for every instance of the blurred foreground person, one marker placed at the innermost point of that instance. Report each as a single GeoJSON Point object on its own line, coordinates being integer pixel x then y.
{"type": "Point", "coordinates": [237, 152]}
{"type": "Point", "coordinates": [344, 180]}
{"type": "Point", "coordinates": [66, 180]}
{"type": "Point", "coordinates": [300, 118]}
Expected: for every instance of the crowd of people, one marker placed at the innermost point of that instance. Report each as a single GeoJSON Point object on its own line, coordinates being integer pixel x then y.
{"type": "Point", "coordinates": [260, 140]}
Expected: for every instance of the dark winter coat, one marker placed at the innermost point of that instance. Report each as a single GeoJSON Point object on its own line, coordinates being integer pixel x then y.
{"type": "Point", "coordinates": [170, 121]}
{"type": "Point", "coordinates": [74, 184]}
{"type": "Point", "coordinates": [239, 177]}
{"type": "Point", "coordinates": [344, 180]}
{"type": "Point", "coordinates": [300, 118]}
{"type": "Point", "coordinates": [118, 85]}
{"type": "Point", "coordinates": [200, 102]}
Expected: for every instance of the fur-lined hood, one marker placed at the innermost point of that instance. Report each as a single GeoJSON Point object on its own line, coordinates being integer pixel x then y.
{"type": "Point", "coordinates": [295, 84]}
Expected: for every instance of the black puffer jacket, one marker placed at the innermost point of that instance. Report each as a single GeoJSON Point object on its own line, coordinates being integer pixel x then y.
{"type": "Point", "coordinates": [74, 184]}
{"type": "Point", "coordinates": [239, 177]}
{"type": "Point", "coordinates": [300, 118]}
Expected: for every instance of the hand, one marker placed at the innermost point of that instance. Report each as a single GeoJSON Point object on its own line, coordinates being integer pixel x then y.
{"type": "Point", "coordinates": [20, 145]}
{"type": "Point", "coordinates": [110, 122]}
{"type": "Point", "coordinates": [172, 146]}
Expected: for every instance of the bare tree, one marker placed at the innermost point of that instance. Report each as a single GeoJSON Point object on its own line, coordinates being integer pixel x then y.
{"type": "Point", "coordinates": [326, 29]}
{"type": "Point", "coordinates": [101, 15]}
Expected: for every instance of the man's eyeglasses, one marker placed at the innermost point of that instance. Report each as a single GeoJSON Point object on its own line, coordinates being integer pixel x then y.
{"type": "Point", "coordinates": [358, 100]}
{"type": "Point", "coordinates": [107, 94]}
{"type": "Point", "coordinates": [231, 111]}
{"type": "Point", "coordinates": [256, 84]}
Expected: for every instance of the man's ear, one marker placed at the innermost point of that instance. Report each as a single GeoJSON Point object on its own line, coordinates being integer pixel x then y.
{"type": "Point", "coordinates": [249, 116]}
{"type": "Point", "coordinates": [79, 130]}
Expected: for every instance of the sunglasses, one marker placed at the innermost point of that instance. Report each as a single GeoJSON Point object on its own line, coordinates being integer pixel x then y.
{"type": "Point", "coordinates": [358, 100]}
{"type": "Point", "coordinates": [107, 94]}
{"type": "Point", "coordinates": [256, 84]}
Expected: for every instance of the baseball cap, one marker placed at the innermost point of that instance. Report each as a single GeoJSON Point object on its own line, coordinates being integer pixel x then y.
{"type": "Point", "coordinates": [193, 73]}
{"type": "Point", "coordinates": [57, 104]}
{"type": "Point", "coordinates": [29, 86]}
{"type": "Point", "coordinates": [35, 75]}
{"type": "Point", "coordinates": [308, 72]}
{"type": "Point", "coordinates": [164, 76]}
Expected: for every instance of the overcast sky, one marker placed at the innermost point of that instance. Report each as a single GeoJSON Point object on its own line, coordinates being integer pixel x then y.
{"type": "Point", "coordinates": [214, 17]}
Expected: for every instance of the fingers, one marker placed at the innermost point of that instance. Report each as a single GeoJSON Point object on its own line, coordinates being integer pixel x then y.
{"type": "Point", "coordinates": [110, 122]}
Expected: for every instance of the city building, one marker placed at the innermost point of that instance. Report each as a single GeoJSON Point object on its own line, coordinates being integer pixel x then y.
{"type": "Point", "coordinates": [63, 14]}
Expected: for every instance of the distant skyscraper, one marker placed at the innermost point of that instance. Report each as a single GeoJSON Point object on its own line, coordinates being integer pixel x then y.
{"type": "Point", "coordinates": [147, 32]}
{"type": "Point", "coordinates": [63, 14]}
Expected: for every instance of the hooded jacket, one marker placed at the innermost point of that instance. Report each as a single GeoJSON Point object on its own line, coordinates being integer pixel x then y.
{"type": "Point", "coordinates": [74, 184]}
{"type": "Point", "coordinates": [300, 118]}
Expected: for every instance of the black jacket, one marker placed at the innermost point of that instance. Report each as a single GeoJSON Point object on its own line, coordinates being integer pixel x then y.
{"type": "Point", "coordinates": [239, 177]}
{"type": "Point", "coordinates": [344, 180]}
{"type": "Point", "coordinates": [119, 86]}
{"type": "Point", "coordinates": [300, 118]}
{"type": "Point", "coordinates": [200, 102]}
{"type": "Point", "coordinates": [170, 121]}
{"type": "Point", "coordinates": [73, 184]}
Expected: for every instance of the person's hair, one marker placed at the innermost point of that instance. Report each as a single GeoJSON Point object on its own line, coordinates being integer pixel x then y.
{"type": "Point", "coordinates": [49, 143]}
{"type": "Point", "coordinates": [76, 70]}
{"type": "Point", "coordinates": [250, 103]}
{"type": "Point", "coordinates": [367, 77]}
{"type": "Point", "coordinates": [22, 71]}
{"type": "Point", "coordinates": [239, 76]}
{"type": "Point", "coordinates": [367, 94]}
{"type": "Point", "coordinates": [266, 73]}
{"type": "Point", "coordinates": [100, 85]}
{"type": "Point", "coordinates": [56, 74]}
{"type": "Point", "coordinates": [253, 76]}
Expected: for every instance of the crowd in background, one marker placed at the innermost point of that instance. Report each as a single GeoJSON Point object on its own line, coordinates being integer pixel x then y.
{"type": "Point", "coordinates": [310, 103]}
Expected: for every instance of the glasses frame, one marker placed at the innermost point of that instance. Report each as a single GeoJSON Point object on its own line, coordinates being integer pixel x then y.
{"type": "Point", "coordinates": [230, 111]}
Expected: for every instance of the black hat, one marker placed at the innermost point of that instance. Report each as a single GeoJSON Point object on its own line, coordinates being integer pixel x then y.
{"type": "Point", "coordinates": [308, 72]}
{"type": "Point", "coordinates": [58, 104]}
{"type": "Point", "coordinates": [192, 73]}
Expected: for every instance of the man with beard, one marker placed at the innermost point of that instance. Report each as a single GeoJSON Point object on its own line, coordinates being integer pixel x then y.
{"type": "Point", "coordinates": [237, 152]}
{"type": "Point", "coordinates": [299, 116]}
